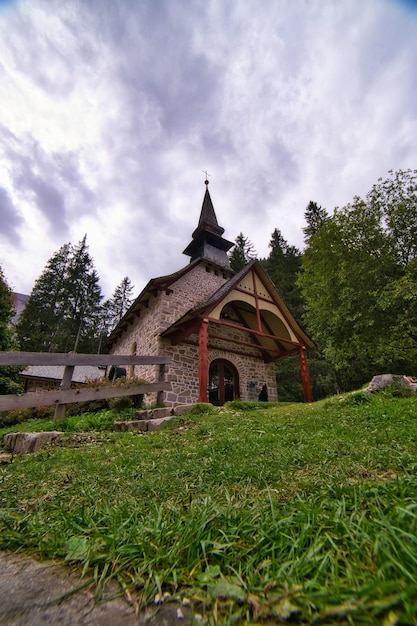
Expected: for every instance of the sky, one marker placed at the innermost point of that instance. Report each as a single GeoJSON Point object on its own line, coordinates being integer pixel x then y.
{"type": "Point", "coordinates": [112, 110]}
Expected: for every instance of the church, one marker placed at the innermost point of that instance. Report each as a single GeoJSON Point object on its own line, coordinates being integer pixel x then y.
{"type": "Point", "coordinates": [223, 330]}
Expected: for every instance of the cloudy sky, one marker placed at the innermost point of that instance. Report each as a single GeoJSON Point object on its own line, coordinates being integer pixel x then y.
{"type": "Point", "coordinates": [110, 110]}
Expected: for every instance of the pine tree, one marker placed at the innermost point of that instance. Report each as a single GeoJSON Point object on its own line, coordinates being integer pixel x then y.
{"type": "Point", "coordinates": [115, 308]}
{"type": "Point", "coordinates": [121, 300]}
{"type": "Point", "coordinates": [283, 265]}
{"type": "Point", "coordinates": [45, 310]}
{"type": "Point", "coordinates": [315, 216]}
{"type": "Point", "coordinates": [242, 253]}
{"type": "Point", "coordinates": [63, 311]}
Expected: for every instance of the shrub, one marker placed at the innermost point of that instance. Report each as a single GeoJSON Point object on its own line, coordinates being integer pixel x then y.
{"type": "Point", "coordinates": [395, 390]}
{"type": "Point", "coordinates": [119, 404]}
{"type": "Point", "coordinates": [17, 416]}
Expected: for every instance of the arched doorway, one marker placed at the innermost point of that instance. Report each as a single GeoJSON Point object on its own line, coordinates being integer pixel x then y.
{"type": "Point", "coordinates": [223, 382]}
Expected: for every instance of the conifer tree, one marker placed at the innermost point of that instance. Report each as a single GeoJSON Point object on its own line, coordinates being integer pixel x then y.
{"type": "Point", "coordinates": [242, 253]}
{"type": "Point", "coordinates": [115, 308]}
{"type": "Point", "coordinates": [283, 265]}
{"type": "Point", "coordinates": [63, 311]}
{"type": "Point", "coordinates": [315, 216]}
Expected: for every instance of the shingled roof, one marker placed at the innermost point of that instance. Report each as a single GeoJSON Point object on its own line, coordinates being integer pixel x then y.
{"type": "Point", "coordinates": [207, 241]}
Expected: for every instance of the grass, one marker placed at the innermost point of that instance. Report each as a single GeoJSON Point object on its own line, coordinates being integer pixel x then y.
{"type": "Point", "coordinates": [286, 513]}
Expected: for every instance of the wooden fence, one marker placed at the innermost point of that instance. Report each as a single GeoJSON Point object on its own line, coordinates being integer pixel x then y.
{"type": "Point", "coordinates": [65, 395]}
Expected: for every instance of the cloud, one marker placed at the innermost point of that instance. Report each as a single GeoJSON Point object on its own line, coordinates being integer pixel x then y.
{"type": "Point", "coordinates": [111, 109]}
{"type": "Point", "coordinates": [9, 218]}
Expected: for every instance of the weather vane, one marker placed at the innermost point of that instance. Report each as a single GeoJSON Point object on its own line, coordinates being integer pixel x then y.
{"type": "Point", "coordinates": [206, 182]}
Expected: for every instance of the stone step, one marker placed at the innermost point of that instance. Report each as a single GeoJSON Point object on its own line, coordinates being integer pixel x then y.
{"type": "Point", "coordinates": [142, 424]}
{"type": "Point", "coordinates": [151, 419]}
{"type": "Point", "coordinates": [148, 414]}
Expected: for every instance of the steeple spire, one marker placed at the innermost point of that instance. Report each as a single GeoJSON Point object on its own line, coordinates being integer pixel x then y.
{"type": "Point", "coordinates": [208, 242]}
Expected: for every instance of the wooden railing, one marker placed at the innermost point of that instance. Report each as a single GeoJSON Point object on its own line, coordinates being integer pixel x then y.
{"type": "Point", "coordinates": [65, 395]}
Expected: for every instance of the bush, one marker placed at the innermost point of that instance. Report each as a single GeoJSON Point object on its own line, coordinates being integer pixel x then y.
{"type": "Point", "coordinates": [89, 422]}
{"type": "Point", "coordinates": [395, 390]}
{"type": "Point", "coordinates": [119, 404]}
{"type": "Point", "coordinates": [17, 416]}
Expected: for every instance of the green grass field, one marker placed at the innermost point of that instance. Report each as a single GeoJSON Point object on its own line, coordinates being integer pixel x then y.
{"type": "Point", "coordinates": [255, 513]}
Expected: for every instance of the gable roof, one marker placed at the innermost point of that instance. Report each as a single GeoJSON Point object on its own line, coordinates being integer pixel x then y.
{"type": "Point", "coordinates": [255, 307]}
{"type": "Point", "coordinates": [163, 283]}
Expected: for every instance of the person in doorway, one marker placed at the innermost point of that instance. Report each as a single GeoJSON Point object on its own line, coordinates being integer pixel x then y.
{"type": "Point", "coordinates": [263, 396]}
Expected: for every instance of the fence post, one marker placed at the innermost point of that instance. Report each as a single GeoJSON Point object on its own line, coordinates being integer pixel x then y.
{"type": "Point", "coordinates": [65, 384]}
{"type": "Point", "coordinates": [161, 378]}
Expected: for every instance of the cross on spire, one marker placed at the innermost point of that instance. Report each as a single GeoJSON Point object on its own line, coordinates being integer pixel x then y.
{"type": "Point", "coordinates": [206, 182]}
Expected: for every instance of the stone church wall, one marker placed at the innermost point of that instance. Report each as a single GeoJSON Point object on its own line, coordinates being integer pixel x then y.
{"type": "Point", "coordinates": [194, 288]}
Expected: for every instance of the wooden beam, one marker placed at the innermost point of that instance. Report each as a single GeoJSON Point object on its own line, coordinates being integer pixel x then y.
{"type": "Point", "coordinates": [251, 331]}
{"type": "Point", "coordinates": [49, 398]}
{"type": "Point", "coordinates": [73, 358]}
{"type": "Point", "coordinates": [305, 376]}
{"type": "Point", "coordinates": [182, 333]}
{"type": "Point", "coordinates": [65, 384]}
{"type": "Point", "coordinates": [203, 361]}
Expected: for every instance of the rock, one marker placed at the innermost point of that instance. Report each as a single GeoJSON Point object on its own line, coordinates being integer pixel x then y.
{"type": "Point", "coordinates": [155, 413]}
{"type": "Point", "coordinates": [127, 425]}
{"type": "Point", "coordinates": [142, 425]}
{"type": "Point", "coordinates": [20, 443]}
{"type": "Point", "coordinates": [151, 419]}
{"type": "Point", "coordinates": [388, 379]}
{"type": "Point", "coordinates": [182, 408]}
{"type": "Point", "coordinates": [155, 424]}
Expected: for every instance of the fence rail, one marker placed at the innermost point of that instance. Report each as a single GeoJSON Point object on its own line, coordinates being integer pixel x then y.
{"type": "Point", "coordinates": [65, 395]}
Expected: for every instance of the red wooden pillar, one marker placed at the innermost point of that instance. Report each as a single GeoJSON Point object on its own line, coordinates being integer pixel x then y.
{"type": "Point", "coordinates": [203, 361]}
{"type": "Point", "coordinates": [305, 376]}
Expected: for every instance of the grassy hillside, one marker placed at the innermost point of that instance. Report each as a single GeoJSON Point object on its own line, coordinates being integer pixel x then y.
{"type": "Point", "coordinates": [286, 512]}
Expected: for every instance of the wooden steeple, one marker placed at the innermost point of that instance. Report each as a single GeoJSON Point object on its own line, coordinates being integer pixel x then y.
{"type": "Point", "coordinates": [207, 241]}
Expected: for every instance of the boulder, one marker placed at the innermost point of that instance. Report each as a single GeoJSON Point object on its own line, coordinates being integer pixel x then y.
{"type": "Point", "coordinates": [20, 443]}
{"type": "Point", "coordinates": [388, 379]}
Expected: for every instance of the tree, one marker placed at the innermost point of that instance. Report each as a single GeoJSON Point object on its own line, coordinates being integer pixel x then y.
{"type": "Point", "coordinates": [242, 253]}
{"type": "Point", "coordinates": [45, 310]}
{"type": "Point", "coordinates": [63, 311]}
{"type": "Point", "coordinates": [115, 308]}
{"type": "Point", "coordinates": [83, 300]}
{"type": "Point", "coordinates": [357, 273]}
{"type": "Point", "coordinates": [283, 265]}
{"type": "Point", "coordinates": [9, 376]}
{"type": "Point", "coordinates": [315, 216]}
